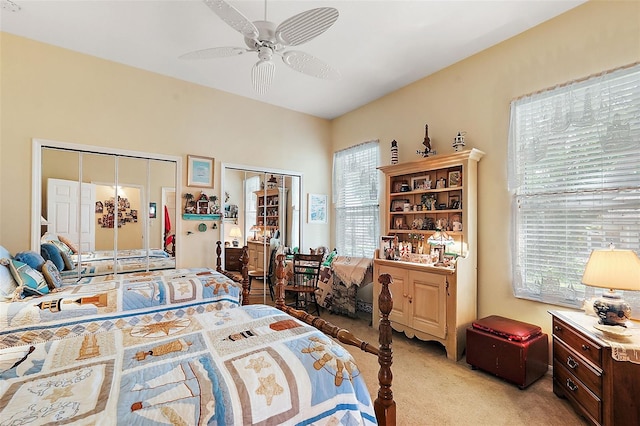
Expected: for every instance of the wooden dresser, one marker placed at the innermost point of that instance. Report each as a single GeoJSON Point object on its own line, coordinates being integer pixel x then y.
{"type": "Point", "coordinates": [601, 389]}
{"type": "Point", "coordinates": [232, 260]}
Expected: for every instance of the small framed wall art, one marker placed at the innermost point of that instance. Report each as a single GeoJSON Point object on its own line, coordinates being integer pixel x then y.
{"type": "Point", "coordinates": [200, 171]}
{"type": "Point", "coordinates": [317, 208]}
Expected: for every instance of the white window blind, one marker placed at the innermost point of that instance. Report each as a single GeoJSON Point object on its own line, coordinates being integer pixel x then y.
{"type": "Point", "coordinates": [574, 171]}
{"type": "Point", "coordinates": [355, 197]}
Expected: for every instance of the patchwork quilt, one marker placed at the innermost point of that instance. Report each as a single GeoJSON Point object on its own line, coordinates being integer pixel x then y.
{"type": "Point", "coordinates": [113, 301]}
{"type": "Point", "coordinates": [227, 366]}
{"type": "Point", "coordinates": [103, 262]}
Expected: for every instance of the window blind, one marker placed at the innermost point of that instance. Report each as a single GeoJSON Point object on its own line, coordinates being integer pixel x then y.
{"type": "Point", "coordinates": [355, 197]}
{"type": "Point", "coordinates": [574, 172]}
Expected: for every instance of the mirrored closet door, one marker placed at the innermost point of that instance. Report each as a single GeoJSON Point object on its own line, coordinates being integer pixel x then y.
{"type": "Point", "coordinates": [262, 210]}
{"type": "Point", "coordinates": [114, 209]}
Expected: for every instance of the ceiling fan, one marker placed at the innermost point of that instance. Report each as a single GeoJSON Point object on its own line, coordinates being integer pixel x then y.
{"type": "Point", "coordinates": [267, 40]}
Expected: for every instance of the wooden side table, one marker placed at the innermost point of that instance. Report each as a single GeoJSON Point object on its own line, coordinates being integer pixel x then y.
{"type": "Point", "coordinates": [601, 389]}
{"type": "Point", "coordinates": [232, 261]}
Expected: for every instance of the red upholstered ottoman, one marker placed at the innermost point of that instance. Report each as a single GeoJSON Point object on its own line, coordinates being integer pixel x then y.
{"type": "Point", "coordinates": [513, 350]}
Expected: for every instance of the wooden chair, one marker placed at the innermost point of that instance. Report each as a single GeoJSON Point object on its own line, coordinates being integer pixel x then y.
{"type": "Point", "coordinates": [259, 275]}
{"type": "Point", "coordinates": [304, 283]}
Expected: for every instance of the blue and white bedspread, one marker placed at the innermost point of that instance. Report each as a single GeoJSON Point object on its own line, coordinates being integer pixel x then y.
{"type": "Point", "coordinates": [96, 303]}
{"type": "Point", "coordinates": [103, 262]}
{"type": "Point", "coordinates": [239, 366]}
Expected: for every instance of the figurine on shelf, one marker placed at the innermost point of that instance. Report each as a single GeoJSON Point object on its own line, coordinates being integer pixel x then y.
{"type": "Point", "coordinates": [427, 143]}
{"type": "Point", "coordinates": [458, 141]}
{"type": "Point", "coordinates": [394, 152]}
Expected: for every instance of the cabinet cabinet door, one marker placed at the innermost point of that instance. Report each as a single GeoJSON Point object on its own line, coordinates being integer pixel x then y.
{"type": "Point", "coordinates": [401, 311]}
{"type": "Point", "coordinates": [428, 300]}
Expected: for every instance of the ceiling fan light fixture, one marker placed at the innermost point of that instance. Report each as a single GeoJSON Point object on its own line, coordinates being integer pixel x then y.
{"type": "Point", "coordinates": [267, 39]}
{"type": "Point", "coordinates": [262, 76]}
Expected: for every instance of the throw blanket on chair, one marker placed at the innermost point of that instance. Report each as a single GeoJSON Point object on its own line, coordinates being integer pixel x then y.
{"type": "Point", "coordinates": [351, 270]}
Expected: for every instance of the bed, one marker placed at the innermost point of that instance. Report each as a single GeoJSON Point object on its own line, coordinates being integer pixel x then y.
{"type": "Point", "coordinates": [105, 262]}
{"type": "Point", "coordinates": [74, 264]}
{"type": "Point", "coordinates": [211, 359]}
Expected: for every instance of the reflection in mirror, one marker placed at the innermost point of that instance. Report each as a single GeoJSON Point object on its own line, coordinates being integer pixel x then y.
{"type": "Point", "coordinates": [97, 205]}
{"type": "Point", "coordinates": [268, 217]}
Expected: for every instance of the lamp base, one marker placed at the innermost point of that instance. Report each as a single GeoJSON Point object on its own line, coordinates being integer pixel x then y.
{"type": "Point", "coordinates": [235, 243]}
{"type": "Point", "coordinates": [612, 309]}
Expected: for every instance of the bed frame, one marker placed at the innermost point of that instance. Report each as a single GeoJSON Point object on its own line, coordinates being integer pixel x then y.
{"type": "Point", "coordinates": [384, 405]}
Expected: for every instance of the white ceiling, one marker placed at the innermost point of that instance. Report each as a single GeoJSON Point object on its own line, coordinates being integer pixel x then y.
{"type": "Point", "coordinates": [378, 46]}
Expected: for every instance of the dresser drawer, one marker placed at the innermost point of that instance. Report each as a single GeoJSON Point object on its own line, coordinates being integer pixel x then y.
{"type": "Point", "coordinates": [590, 376]}
{"type": "Point", "coordinates": [583, 346]}
{"type": "Point", "coordinates": [577, 392]}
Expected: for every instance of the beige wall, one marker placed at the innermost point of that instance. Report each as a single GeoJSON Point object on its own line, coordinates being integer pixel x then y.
{"type": "Point", "coordinates": [56, 94]}
{"type": "Point", "coordinates": [473, 96]}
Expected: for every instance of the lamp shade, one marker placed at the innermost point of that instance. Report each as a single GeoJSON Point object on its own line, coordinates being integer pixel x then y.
{"type": "Point", "coordinates": [440, 238]}
{"type": "Point", "coordinates": [43, 221]}
{"type": "Point", "coordinates": [613, 269]}
{"type": "Point", "coordinates": [235, 232]}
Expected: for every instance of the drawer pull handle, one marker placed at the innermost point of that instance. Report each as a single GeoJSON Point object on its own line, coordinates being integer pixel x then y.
{"type": "Point", "coordinates": [571, 363]}
{"type": "Point", "coordinates": [572, 386]}
{"type": "Point", "coordinates": [585, 347]}
{"type": "Point", "coordinates": [557, 328]}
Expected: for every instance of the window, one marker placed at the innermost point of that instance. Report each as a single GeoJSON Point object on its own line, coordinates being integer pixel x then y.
{"type": "Point", "coordinates": [574, 171]}
{"type": "Point", "coordinates": [355, 195]}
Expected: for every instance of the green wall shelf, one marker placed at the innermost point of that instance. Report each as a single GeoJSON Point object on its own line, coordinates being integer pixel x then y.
{"type": "Point", "coordinates": [188, 216]}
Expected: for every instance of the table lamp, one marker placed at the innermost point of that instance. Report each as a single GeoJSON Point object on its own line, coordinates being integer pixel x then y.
{"type": "Point", "coordinates": [440, 239]}
{"type": "Point", "coordinates": [255, 229]}
{"type": "Point", "coordinates": [614, 270]}
{"type": "Point", "coordinates": [235, 233]}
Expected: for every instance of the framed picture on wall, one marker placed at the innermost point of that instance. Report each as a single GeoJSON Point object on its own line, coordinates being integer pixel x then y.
{"type": "Point", "coordinates": [317, 208]}
{"type": "Point", "coordinates": [200, 171]}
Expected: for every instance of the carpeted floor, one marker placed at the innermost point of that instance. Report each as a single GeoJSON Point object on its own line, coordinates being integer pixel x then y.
{"type": "Point", "coordinates": [431, 390]}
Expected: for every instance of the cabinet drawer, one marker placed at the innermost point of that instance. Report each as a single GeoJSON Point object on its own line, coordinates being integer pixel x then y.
{"type": "Point", "coordinates": [591, 377]}
{"type": "Point", "coordinates": [572, 338]}
{"type": "Point", "coordinates": [576, 391]}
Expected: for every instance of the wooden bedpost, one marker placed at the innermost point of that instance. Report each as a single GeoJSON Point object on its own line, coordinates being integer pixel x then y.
{"type": "Point", "coordinates": [244, 270]}
{"type": "Point", "coordinates": [244, 260]}
{"type": "Point", "coordinates": [218, 256]}
{"type": "Point", "coordinates": [280, 281]}
{"type": "Point", "coordinates": [384, 405]}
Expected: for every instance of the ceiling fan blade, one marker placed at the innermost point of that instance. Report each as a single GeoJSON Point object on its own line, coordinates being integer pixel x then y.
{"type": "Point", "coordinates": [307, 64]}
{"type": "Point", "coordinates": [262, 76]}
{"type": "Point", "coordinates": [233, 17]}
{"type": "Point", "coordinates": [214, 52]}
{"type": "Point", "coordinates": [305, 26]}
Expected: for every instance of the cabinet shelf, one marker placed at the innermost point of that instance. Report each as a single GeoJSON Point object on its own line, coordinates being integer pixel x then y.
{"type": "Point", "coordinates": [437, 299]}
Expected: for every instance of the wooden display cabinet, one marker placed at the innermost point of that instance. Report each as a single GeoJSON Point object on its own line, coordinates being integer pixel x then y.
{"type": "Point", "coordinates": [435, 303]}
{"type": "Point", "coordinates": [271, 214]}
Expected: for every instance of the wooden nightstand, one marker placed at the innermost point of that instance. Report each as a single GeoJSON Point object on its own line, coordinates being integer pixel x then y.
{"type": "Point", "coordinates": [232, 260]}
{"type": "Point", "coordinates": [602, 390]}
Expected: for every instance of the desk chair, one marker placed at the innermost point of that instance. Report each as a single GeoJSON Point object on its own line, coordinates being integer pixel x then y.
{"type": "Point", "coordinates": [259, 275]}
{"type": "Point", "coordinates": [306, 271]}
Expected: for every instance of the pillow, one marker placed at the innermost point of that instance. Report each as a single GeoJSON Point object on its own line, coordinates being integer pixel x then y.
{"type": "Point", "coordinates": [51, 275]}
{"type": "Point", "coordinates": [68, 263]}
{"type": "Point", "coordinates": [64, 240]}
{"type": "Point", "coordinates": [31, 281]}
{"type": "Point", "coordinates": [7, 283]}
{"type": "Point", "coordinates": [61, 246]}
{"type": "Point", "coordinates": [51, 252]}
{"type": "Point", "coordinates": [31, 258]}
